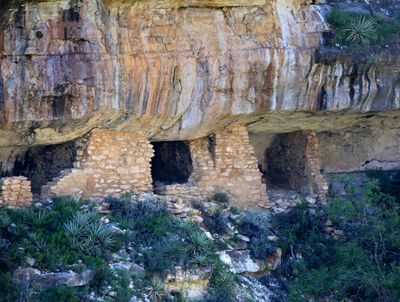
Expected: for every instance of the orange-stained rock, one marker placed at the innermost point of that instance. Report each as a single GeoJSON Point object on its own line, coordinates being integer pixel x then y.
{"type": "Point", "coordinates": [172, 69]}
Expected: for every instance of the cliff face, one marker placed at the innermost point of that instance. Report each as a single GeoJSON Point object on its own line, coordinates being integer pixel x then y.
{"type": "Point", "coordinates": [174, 69]}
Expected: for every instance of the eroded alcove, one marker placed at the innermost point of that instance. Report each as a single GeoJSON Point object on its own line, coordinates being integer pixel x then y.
{"type": "Point", "coordinates": [41, 164]}
{"type": "Point", "coordinates": [285, 161]}
{"type": "Point", "coordinates": [172, 163]}
{"type": "Point", "coordinates": [289, 161]}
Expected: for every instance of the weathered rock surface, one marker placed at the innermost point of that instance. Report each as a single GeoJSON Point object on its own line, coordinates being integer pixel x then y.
{"type": "Point", "coordinates": [173, 69]}
{"type": "Point", "coordinates": [240, 262]}
{"type": "Point", "coordinates": [194, 283]}
{"type": "Point", "coordinates": [27, 276]}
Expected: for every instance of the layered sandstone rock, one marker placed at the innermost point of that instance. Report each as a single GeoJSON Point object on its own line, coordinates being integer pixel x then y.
{"type": "Point", "coordinates": [176, 69]}
{"type": "Point", "coordinates": [183, 70]}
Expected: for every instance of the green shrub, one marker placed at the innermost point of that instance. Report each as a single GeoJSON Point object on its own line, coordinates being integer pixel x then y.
{"type": "Point", "coordinates": [183, 244]}
{"type": "Point", "coordinates": [261, 247]}
{"type": "Point", "coordinates": [256, 226]}
{"type": "Point", "coordinates": [61, 293]}
{"type": "Point", "coordinates": [163, 241]}
{"type": "Point", "coordinates": [387, 185]}
{"type": "Point", "coordinates": [41, 235]}
{"type": "Point", "coordinates": [120, 285]}
{"type": "Point", "coordinates": [216, 221]}
{"type": "Point", "coordinates": [235, 210]}
{"type": "Point", "coordinates": [361, 264]}
{"type": "Point", "coordinates": [254, 223]}
{"type": "Point", "coordinates": [64, 232]}
{"type": "Point", "coordinates": [119, 206]}
{"type": "Point", "coordinates": [222, 285]}
{"type": "Point", "coordinates": [360, 31]}
{"type": "Point", "coordinates": [221, 197]}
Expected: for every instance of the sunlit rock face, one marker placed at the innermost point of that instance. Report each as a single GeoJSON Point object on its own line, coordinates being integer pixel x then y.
{"type": "Point", "coordinates": [180, 70]}
{"type": "Point", "coordinates": [174, 69]}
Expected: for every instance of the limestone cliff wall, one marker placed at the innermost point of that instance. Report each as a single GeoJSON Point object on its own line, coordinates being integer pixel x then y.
{"type": "Point", "coordinates": [173, 69]}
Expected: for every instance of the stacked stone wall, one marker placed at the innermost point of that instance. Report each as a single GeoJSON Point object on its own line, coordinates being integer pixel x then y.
{"type": "Point", "coordinates": [226, 162]}
{"type": "Point", "coordinates": [317, 183]}
{"type": "Point", "coordinates": [182, 190]}
{"type": "Point", "coordinates": [108, 163]}
{"type": "Point", "coordinates": [15, 191]}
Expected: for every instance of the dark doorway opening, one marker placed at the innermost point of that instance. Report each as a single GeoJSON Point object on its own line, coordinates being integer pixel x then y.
{"type": "Point", "coordinates": [172, 163]}
{"type": "Point", "coordinates": [40, 164]}
{"type": "Point", "coordinates": [285, 161]}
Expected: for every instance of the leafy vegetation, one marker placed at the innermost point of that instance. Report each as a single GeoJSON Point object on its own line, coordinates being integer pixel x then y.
{"type": "Point", "coordinates": [221, 197]}
{"type": "Point", "coordinates": [360, 263]}
{"type": "Point", "coordinates": [216, 221]}
{"type": "Point", "coordinates": [42, 235]}
{"type": "Point", "coordinates": [360, 30]}
{"type": "Point", "coordinates": [70, 235]}
{"type": "Point", "coordinates": [222, 285]}
{"type": "Point", "coordinates": [257, 227]}
{"type": "Point", "coordinates": [347, 250]}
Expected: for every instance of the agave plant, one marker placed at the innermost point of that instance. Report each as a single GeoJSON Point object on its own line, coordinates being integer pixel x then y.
{"type": "Point", "coordinates": [5, 219]}
{"type": "Point", "coordinates": [102, 237]}
{"type": "Point", "coordinates": [201, 260]}
{"type": "Point", "coordinates": [36, 219]}
{"type": "Point", "coordinates": [87, 234]}
{"type": "Point", "coordinates": [37, 241]}
{"type": "Point", "coordinates": [187, 226]}
{"type": "Point", "coordinates": [155, 289]}
{"type": "Point", "coordinates": [361, 30]}
{"type": "Point", "coordinates": [199, 244]}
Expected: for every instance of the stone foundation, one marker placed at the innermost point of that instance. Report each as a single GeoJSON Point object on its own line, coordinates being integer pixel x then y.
{"type": "Point", "coordinates": [180, 190]}
{"type": "Point", "coordinates": [226, 162]}
{"type": "Point", "coordinates": [15, 192]}
{"type": "Point", "coordinates": [108, 163]}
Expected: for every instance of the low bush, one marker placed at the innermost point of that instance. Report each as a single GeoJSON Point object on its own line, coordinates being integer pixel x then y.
{"type": "Point", "coordinates": [162, 240]}
{"type": "Point", "coordinates": [155, 289]}
{"type": "Point", "coordinates": [222, 285]}
{"type": "Point", "coordinates": [256, 226]}
{"type": "Point", "coordinates": [360, 263]}
{"type": "Point", "coordinates": [183, 244]}
{"type": "Point", "coordinates": [254, 223]}
{"type": "Point", "coordinates": [216, 221]}
{"type": "Point", "coordinates": [220, 197]}
{"type": "Point", "coordinates": [120, 283]}
{"type": "Point", "coordinates": [41, 234]}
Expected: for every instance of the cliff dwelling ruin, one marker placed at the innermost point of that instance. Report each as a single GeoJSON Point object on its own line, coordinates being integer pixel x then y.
{"type": "Point", "coordinates": [109, 163]}
{"type": "Point", "coordinates": [171, 163]}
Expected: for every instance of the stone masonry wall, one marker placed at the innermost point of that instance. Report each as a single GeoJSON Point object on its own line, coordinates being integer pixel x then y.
{"type": "Point", "coordinates": [108, 163]}
{"type": "Point", "coordinates": [317, 183]}
{"type": "Point", "coordinates": [226, 162]}
{"type": "Point", "coordinates": [15, 191]}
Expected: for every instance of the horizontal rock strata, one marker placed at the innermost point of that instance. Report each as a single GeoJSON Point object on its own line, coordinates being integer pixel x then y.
{"type": "Point", "coordinates": [174, 69]}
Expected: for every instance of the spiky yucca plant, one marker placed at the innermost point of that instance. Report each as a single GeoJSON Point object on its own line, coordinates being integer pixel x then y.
{"type": "Point", "coordinates": [102, 237]}
{"type": "Point", "coordinates": [36, 219]}
{"type": "Point", "coordinates": [155, 289]}
{"type": "Point", "coordinates": [361, 30]}
{"type": "Point", "coordinates": [87, 234]}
